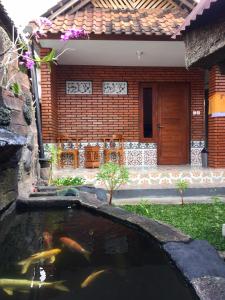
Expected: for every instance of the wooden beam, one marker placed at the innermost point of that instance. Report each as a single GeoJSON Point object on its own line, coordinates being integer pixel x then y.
{"type": "Point", "coordinates": [78, 6]}
{"type": "Point", "coordinates": [62, 9]}
{"type": "Point", "coordinates": [188, 4]}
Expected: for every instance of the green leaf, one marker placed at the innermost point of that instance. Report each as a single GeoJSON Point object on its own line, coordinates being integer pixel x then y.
{"type": "Point", "coordinates": [50, 57]}
{"type": "Point", "coordinates": [15, 88]}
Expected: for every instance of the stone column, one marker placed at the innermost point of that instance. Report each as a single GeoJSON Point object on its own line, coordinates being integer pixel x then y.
{"type": "Point", "coordinates": [216, 121]}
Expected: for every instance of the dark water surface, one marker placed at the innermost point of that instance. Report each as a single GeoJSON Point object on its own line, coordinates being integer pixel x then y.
{"type": "Point", "coordinates": [137, 267]}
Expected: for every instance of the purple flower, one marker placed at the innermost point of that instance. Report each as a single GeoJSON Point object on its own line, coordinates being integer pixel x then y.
{"type": "Point", "coordinates": [27, 60]}
{"type": "Point", "coordinates": [44, 22]}
{"type": "Point", "coordinates": [73, 34]}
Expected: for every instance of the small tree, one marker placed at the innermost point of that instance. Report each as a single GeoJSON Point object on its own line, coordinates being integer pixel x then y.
{"type": "Point", "coordinates": [181, 186]}
{"type": "Point", "coordinates": [113, 176]}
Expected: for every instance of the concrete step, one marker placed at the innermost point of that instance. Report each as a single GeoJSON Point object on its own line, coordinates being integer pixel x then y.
{"type": "Point", "coordinates": [50, 188]}
{"type": "Point", "coordinates": [42, 194]}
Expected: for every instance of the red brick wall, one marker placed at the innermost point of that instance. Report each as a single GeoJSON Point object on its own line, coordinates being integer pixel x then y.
{"type": "Point", "coordinates": [48, 101]}
{"type": "Point", "coordinates": [216, 136]}
{"type": "Point", "coordinates": [97, 115]}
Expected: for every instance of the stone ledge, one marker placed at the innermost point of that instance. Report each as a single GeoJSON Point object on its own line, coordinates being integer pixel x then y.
{"type": "Point", "coordinates": [46, 202]}
{"type": "Point", "coordinates": [84, 199]}
{"type": "Point", "coordinates": [200, 263]}
{"type": "Point", "coordinates": [204, 259]}
{"type": "Point", "coordinates": [209, 288]}
{"type": "Point", "coordinates": [160, 231]}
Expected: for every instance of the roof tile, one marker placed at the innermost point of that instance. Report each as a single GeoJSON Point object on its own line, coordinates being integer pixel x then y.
{"type": "Point", "coordinates": [141, 21]}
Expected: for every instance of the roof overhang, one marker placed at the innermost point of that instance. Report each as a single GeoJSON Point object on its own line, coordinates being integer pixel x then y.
{"type": "Point", "coordinates": [119, 52]}
{"type": "Point", "coordinates": [196, 15]}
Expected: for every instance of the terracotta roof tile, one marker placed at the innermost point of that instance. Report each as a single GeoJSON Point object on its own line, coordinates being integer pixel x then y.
{"type": "Point", "coordinates": [108, 21]}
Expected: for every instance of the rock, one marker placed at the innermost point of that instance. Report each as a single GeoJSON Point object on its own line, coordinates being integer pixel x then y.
{"type": "Point", "coordinates": [5, 116]}
{"type": "Point", "coordinates": [209, 288]}
{"type": "Point", "coordinates": [196, 259]}
{"type": "Point", "coordinates": [100, 193]}
{"type": "Point", "coordinates": [9, 138]}
{"type": "Point", "coordinates": [68, 192]}
{"type": "Point", "coordinates": [222, 254]}
{"type": "Point", "coordinates": [30, 141]}
{"type": "Point", "coordinates": [27, 159]}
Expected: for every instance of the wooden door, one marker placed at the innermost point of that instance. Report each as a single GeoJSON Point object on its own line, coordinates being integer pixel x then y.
{"type": "Point", "coordinates": [173, 124]}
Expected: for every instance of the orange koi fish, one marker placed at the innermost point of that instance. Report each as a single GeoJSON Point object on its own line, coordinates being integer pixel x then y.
{"type": "Point", "coordinates": [75, 246]}
{"type": "Point", "coordinates": [91, 278]}
{"type": "Point", "coordinates": [47, 237]}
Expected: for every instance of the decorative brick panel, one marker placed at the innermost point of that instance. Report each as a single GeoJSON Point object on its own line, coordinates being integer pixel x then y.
{"type": "Point", "coordinates": [216, 128]}
{"type": "Point", "coordinates": [97, 116]}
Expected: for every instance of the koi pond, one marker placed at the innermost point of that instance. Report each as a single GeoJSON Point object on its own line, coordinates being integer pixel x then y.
{"type": "Point", "coordinates": [72, 254]}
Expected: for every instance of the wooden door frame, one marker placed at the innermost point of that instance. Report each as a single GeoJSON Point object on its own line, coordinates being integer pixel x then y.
{"type": "Point", "coordinates": [188, 123]}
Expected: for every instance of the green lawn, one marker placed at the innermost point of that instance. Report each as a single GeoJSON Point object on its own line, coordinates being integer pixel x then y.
{"type": "Point", "coordinates": [200, 221]}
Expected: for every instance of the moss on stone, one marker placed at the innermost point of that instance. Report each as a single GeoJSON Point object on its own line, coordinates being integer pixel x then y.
{"type": "Point", "coordinates": [5, 116]}
{"type": "Point", "coordinates": [27, 110]}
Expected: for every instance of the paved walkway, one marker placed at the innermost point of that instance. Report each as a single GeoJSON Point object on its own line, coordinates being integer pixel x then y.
{"type": "Point", "coordinates": [165, 200]}
{"type": "Point", "coordinates": [159, 177]}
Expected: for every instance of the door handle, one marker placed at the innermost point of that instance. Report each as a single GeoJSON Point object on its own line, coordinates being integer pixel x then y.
{"type": "Point", "coordinates": [159, 126]}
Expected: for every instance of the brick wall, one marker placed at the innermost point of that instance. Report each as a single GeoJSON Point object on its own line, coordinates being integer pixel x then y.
{"type": "Point", "coordinates": [216, 136]}
{"type": "Point", "coordinates": [97, 115]}
{"type": "Point", "coordinates": [49, 101]}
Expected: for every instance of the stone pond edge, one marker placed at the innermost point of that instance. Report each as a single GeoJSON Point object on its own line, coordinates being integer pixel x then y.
{"type": "Point", "coordinates": [197, 260]}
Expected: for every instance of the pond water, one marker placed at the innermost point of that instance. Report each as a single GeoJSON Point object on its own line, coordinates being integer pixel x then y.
{"type": "Point", "coordinates": [134, 266]}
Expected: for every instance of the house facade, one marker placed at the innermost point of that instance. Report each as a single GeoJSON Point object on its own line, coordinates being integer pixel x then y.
{"type": "Point", "coordinates": [128, 77]}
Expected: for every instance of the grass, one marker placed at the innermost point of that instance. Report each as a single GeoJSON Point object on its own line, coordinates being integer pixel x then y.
{"type": "Point", "coordinates": [200, 221]}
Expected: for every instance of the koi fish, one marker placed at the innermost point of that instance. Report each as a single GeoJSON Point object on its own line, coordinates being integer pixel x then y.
{"type": "Point", "coordinates": [37, 257]}
{"type": "Point", "coordinates": [23, 285]}
{"type": "Point", "coordinates": [91, 278]}
{"type": "Point", "coordinates": [75, 246]}
{"type": "Point", "coordinates": [47, 237]}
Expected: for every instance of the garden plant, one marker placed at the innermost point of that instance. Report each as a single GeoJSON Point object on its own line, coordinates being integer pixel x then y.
{"type": "Point", "coordinates": [69, 181]}
{"type": "Point", "coordinates": [113, 176]}
{"type": "Point", "coordinates": [182, 186]}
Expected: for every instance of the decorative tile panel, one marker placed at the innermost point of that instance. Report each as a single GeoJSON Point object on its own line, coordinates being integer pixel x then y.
{"type": "Point", "coordinates": [79, 87]}
{"type": "Point", "coordinates": [138, 154]}
{"type": "Point", "coordinates": [196, 148]}
{"type": "Point", "coordinates": [115, 88]}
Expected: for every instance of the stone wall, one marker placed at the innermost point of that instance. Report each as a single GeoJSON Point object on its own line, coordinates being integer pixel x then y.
{"type": "Point", "coordinates": [18, 138]}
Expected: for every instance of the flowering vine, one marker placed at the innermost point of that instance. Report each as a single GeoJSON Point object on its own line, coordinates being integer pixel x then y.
{"type": "Point", "coordinates": [21, 49]}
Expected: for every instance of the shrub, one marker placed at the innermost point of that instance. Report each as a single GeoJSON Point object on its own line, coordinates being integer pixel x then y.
{"type": "Point", "coordinates": [67, 181]}
{"type": "Point", "coordinates": [113, 176]}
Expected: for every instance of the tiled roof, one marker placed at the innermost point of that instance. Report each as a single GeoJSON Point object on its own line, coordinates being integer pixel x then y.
{"type": "Point", "coordinates": [110, 21]}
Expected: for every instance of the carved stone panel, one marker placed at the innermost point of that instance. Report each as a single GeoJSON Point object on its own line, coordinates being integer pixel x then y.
{"type": "Point", "coordinates": [115, 88]}
{"type": "Point", "coordinates": [79, 87]}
